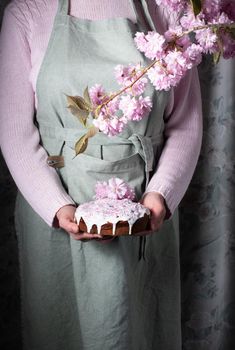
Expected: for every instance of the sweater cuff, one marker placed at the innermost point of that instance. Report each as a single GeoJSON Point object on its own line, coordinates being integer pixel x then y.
{"type": "Point", "coordinates": [170, 202]}
{"type": "Point", "coordinates": [49, 213]}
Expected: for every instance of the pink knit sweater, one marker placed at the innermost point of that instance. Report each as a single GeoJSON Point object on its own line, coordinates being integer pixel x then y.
{"type": "Point", "coordinates": [26, 28]}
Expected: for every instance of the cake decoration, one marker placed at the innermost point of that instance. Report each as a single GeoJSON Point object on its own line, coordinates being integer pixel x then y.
{"type": "Point", "coordinates": [112, 212]}
{"type": "Point", "coordinates": [115, 188]}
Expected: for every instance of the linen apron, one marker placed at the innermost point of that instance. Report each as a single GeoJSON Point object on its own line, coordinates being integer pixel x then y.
{"type": "Point", "coordinates": [124, 295]}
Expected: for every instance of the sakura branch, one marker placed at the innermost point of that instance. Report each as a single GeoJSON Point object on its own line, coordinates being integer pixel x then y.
{"type": "Point", "coordinates": [204, 27]}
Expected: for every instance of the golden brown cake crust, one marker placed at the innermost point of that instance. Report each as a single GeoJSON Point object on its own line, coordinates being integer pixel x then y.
{"type": "Point", "coordinates": [122, 227]}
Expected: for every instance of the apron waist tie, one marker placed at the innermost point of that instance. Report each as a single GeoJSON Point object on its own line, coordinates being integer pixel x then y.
{"type": "Point", "coordinates": [143, 145]}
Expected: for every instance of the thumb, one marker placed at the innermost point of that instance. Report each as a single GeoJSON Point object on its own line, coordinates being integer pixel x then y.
{"type": "Point", "coordinates": [69, 225]}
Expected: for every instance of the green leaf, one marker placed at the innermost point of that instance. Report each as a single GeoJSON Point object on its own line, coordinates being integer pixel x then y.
{"type": "Point", "coordinates": [81, 145]}
{"type": "Point", "coordinates": [86, 96]}
{"type": "Point", "coordinates": [74, 105]}
{"type": "Point", "coordinates": [219, 53]}
{"type": "Point", "coordinates": [92, 131]}
{"type": "Point", "coordinates": [197, 6]}
{"type": "Point", "coordinates": [216, 57]}
{"type": "Point", "coordinates": [80, 114]}
{"type": "Point", "coordinates": [78, 101]}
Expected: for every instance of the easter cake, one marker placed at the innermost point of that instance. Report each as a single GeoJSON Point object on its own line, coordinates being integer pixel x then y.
{"type": "Point", "coordinates": [113, 211]}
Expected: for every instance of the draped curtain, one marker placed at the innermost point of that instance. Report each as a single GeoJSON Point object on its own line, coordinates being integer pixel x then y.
{"type": "Point", "coordinates": [206, 219]}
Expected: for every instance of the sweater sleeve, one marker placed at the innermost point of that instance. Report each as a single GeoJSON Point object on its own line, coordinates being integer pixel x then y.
{"type": "Point", "coordinates": [183, 128]}
{"type": "Point", "coordinates": [183, 138]}
{"type": "Point", "coordinates": [19, 138]}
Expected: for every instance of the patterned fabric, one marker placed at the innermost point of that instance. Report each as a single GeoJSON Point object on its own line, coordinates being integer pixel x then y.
{"type": "Point", "coordinates": [207, 221]}
{"type": "Point", "coordinates": [206, 225]}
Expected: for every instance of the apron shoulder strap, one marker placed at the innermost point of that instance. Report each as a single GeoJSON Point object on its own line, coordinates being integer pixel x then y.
{"type": "Point", "coordinates": [63, 7]}
{"type": "Point", "coordinates": [140, 8]}
{"type": "Point", "coordinates": [143, 17]}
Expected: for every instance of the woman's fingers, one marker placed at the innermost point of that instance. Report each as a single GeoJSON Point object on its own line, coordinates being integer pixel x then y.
{"type": "Point", "coordinates": [85, 236]}
{"type": "Point", "coordinates": [152, 200]}
{"type": "Point", "coordinates": [157, 219]}
{"type": "Point", "coordinates": [65, 216]}
{"type": "Point", "coordinates": [105, 239]}
{"type": "Point", "coordinates": [156, 204]}
{"type": "Point", "coordinates": [69, 226]}
{"type": "Point", "coordinates": [144, 233]}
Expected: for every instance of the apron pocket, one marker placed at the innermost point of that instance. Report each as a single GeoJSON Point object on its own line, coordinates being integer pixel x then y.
{"type": "Point", "coordinates": [85, 170]}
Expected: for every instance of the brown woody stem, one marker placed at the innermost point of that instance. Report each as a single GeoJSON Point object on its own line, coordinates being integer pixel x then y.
{"type": "Point", "coordinates": [145, 70]}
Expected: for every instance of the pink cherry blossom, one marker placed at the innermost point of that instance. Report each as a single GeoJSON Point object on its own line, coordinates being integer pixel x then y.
{"type": "Point", "coordinates": [97, 94]}
{"type": "Point", "coordinates": [159, 78]}
{"type": "Point", "coordinates": [154, 46]}
{"type": "Point", "coordinates": [175, 35]}
{"type": "Point", "coordinates": [189, 21]}
{"type": "Point", "coordinates": [223, 19]}
{"type": "Point", "coordinates": [228, 7]}
{"type": "Point", "coordinates": [176, 62]}
{"type": "Point", "coordinates": [175, 5]}
{"type": "Point", "coordinates": [134, 108]}
{"type": "Point", "coordinates": [162, 79]}
{"type": "Point", "coordinates": [141, 41]}
{"type": "Point", "coordinates": [172, 33]}
{"type": "Point", "coordinates": [112, 106]}
{"type": "Point", "coordinates": [211, 9]}
{"type": "Point", "coordinates": [207, 39]}
{"type": "Point", "coordinates": [111, 126]}
{"type": "Point", "coordinates": [228, 45]}
{"type": "Point", "coordinates": [126, 75]}
{"type": "Point", "coordinates": [193, 55]}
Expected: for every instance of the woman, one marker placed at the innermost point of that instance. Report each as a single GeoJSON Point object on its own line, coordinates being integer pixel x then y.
{"type": "Point", "coordinates": [76, 295]}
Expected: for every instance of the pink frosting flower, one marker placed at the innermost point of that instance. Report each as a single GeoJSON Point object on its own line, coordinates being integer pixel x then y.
{"type": "Point", "coordinates": [115, 188]}
{"type": "Point", "coordinates": [101, 190]}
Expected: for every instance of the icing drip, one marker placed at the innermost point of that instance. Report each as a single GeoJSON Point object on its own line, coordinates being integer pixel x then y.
{"type": "Point", "coordinates": [106, 210]}
{"type": "Point", "coordinates": [98, 228]}
{"type": "Point", "coordinates": [114, 228]}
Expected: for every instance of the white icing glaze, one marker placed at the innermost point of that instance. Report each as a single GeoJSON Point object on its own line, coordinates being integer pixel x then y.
{"type": "Point", "coordinates": [106, 210]}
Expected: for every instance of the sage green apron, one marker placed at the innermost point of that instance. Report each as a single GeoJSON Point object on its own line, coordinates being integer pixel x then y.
{"type": "Point", "coordinates": [124, 295]}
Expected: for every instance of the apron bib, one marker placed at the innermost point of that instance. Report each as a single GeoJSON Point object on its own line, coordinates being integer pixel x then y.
{"type": "Point", "coordinates": [87, 296]}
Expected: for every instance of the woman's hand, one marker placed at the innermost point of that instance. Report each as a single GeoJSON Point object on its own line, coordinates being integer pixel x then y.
{"type": "Point", "coordinates": [155, 202]}
{"type": "Point", "coordinates": [65, 217]}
